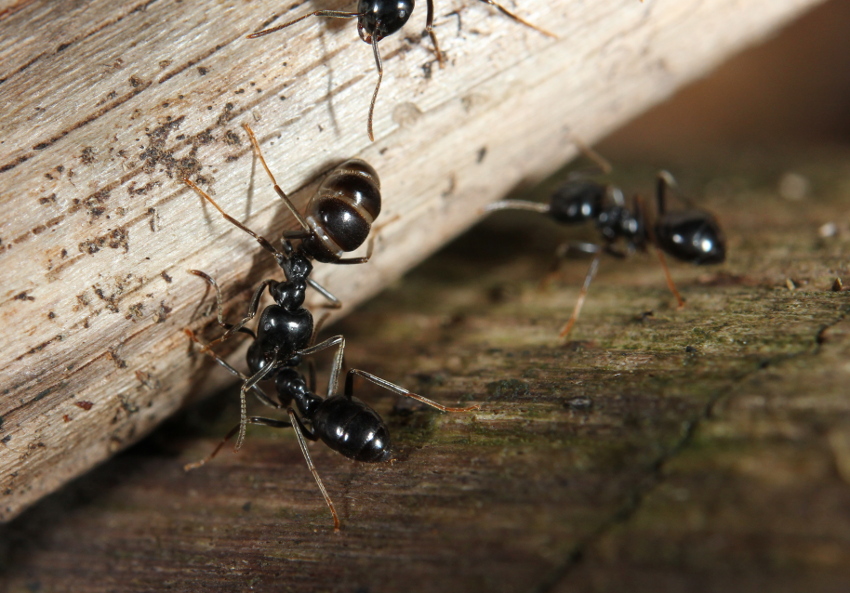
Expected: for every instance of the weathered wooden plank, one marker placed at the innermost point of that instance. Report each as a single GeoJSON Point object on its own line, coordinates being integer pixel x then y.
{"type": "Point", "coordinates": [108, 104]}
{"type": "Point", "coordinates": [694, 450]}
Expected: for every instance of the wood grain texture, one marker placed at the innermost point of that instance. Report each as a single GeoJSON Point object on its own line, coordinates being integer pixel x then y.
{"type": "Point", "coordinates": [108, 104]}
{"type": "Point", "coordinates": [706, 449]}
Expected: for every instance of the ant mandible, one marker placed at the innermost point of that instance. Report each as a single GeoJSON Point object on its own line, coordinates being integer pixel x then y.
{"type": "Point", "coordinates": [338, 220]}
{"type": "Point", "coordinates": [377, 19]}
{"type": "Point", "coordinates": [689, 235]}
{"type": "Point", "coordinates": [342, 422]}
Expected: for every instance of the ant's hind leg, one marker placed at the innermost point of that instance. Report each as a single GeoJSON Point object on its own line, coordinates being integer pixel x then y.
{"type": "Point", "coordinates": [300, 431]}
{"type": "Point", "coordinates": [333, 302]}
{"type": "Point", "coordinates": [252, 420]}
{"type": "Point", "coordinates": [594, 265]}
{"type": "Point", "coordinates": [338, 341]}
{"type": "Point", "coordinates": [349, 391]}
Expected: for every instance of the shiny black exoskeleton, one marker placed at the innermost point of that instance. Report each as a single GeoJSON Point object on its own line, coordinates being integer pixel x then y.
{"type": "Point", "coordinates": [380, 18]}
{"type": "Point", "coordinates": [343, 422]}
{"type": "Point", "coordinates": [377, 19]}
{"type": "Point", "coordinates": [337, 220]}
{"type": "Point", "coordinates": [693, 236]}
{"type": "Point", "coordinates": [690, 235]}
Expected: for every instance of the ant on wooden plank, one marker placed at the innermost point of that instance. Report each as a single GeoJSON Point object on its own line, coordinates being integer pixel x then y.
{"type": "Point", "coordinates": [377, 19]}
{"type": "Point", "coordinates": [338, 220]}
{"type": "Point", "coordinates": [690, 235]}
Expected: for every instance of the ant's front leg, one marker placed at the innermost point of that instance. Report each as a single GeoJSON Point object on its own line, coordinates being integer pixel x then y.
{"type": "Point", "coordinates": [252, 308]}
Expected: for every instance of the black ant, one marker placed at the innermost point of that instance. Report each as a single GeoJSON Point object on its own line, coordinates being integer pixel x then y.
{"type": "Point", "coordinates": [689, 235]}
{"type": "Point", "coordinates": [343, 422]}
{"type": "Point", "coordinates": [338, 220]}
{"type": "Point", "coordinates": [377, 19]}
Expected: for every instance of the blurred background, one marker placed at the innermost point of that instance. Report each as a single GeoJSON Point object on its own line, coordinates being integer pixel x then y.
{"type": "Point", "coordinates": [768, 515]}
{"type": "Point", "coordinates": [793, 89]}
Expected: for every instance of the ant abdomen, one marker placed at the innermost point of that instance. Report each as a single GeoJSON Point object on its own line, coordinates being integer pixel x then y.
{"type": "Point", "coordinates": [342, 212]}
{"type": "Point", "coordinates": [350, 427]}
{"type": "Point", "coordinates": [691, 236]}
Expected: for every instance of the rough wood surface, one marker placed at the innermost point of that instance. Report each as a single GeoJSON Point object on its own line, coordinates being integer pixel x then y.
{"type": "Point", "coordinates": [107, 104]}
{"type": "Point", "coordinates": [706, 449]}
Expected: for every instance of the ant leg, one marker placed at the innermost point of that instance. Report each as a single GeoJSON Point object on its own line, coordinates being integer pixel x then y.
{"type": "Point", "coordinates": [429, 28]}
{"type": "Point", "coordinates": [664, 181]}
{"type": "Point", "coordinates": [669, 277]}
{"type": "Point", "coordinates": [205, 460]}
{"type": "Point", "coordinates": [370, 246]}
{"type": "Point", "coordinates": [258, 392]}
{"type": "Point", "coordinates": [243, 399]}
{"type": "Point", "coordinates": [339, 341]}
{"type": "Point", "coordinates": [538, 207]}
{"type": "Point", "coordinates": [252, 308]}
{"type": "Point", "coordinates": [518, 18]}
{"type": "Point", "coordinates": [560, 255]}
{"type": "Point", "coordinates": [252, 420]}
{"type": "Point", "coordinates": [299, 218]}
{"type": "Point", "coordinates": [311, 376]}
{"type": "Point", "coordinates": [317, 328]}
{"type": "Point", "coordinates": [594, 265]}
{"type": "Point", "coordinates": [358, 260]}
{"type": "Point", "coordinates": [349, 391]}
{"type": "Point", "coordinates": [597, 159]}
{"type": "Point", "coordinates": [334, 303]}
{"type": "Point", "coordinates": [298, 427]}
{"type": "Point", "coordinates": [327, 13]}
{"type": "Point", "coordinates": [377, 86]}
{"type": "Point", "coordinates": [264, 243]}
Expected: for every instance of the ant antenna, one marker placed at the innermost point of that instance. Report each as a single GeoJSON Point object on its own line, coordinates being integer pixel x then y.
{"type": "Point", "coordinates": [377, 86]}
{"type": "Point", "coordinates": [264, 243]}
{"type": "Point", "coordinates": [519, 19]}
{"type": "Point", "coordinates": [296, 426]}
{"type": "Point", "coordinates": [334, 14]}
{"type": "Point", "coordinates": [299, 218]}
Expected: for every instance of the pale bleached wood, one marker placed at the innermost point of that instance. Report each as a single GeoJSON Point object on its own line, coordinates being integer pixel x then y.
{"type": "Point", "coordinates": [106, 105]}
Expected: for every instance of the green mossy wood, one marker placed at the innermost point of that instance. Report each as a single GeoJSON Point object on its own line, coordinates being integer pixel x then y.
{"type": "Point", "coordinates": [704, 449]}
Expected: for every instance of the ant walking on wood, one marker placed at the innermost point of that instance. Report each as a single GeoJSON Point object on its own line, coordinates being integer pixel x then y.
{"type": "Point", "coordinates": [689, 235]}
{"type": "Point", "coordinates": [343, 422]}
{"type": "Point", "coordinates": [377, 19]}
{"type": "Point", "coordinates": [338, 220]}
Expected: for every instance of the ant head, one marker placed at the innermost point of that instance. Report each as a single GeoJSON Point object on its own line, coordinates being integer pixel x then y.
{"type": "Point", "coordinates": [692, 236]}
{"type": "Point", "coordinates": [577, 201]}
{"type": "Point", "coordinates": [298, 267]}
{"type": "Point", "coordinates": [380, 18]}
